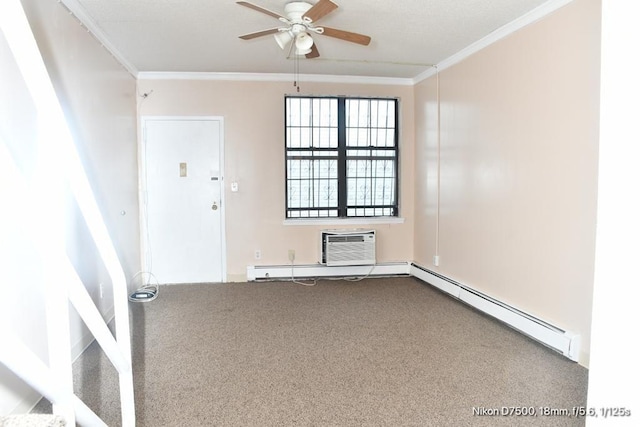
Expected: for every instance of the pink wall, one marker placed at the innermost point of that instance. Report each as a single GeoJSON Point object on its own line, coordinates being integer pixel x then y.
{"type": "Point", "coordinates": [99, 99]}
{"type": "Point", "coordinates": [518, 168]}
{"type": "Point", "coordinates": [254, 157]}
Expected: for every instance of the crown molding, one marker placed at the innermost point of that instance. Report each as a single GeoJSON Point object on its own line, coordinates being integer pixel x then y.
{"type": "Point", "coordinates": [274, 77]}
{"type": "Point", "coordinates": [536, 14]}
{"type": "Point", "coordinates": [502, 32]}
{"type": "Point", "coordinates": [85, 19]}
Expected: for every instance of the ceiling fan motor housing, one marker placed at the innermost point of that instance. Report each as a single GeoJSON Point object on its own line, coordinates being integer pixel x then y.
{"type": "Point", "coordinates": [295, 10]}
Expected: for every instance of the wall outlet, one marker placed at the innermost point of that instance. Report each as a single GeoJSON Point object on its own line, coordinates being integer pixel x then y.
{"type": "Point", "coordinates": [292, 255]}
{"type": "Point", "coordinates": [257, 254]}
{"type": "Point", "coordinates": [436, 260]}
{"type": "Point", "coordinates": [101, 290]}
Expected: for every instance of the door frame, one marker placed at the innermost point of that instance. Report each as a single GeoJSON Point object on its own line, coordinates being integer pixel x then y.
{"type": "Point", "coordinates": [142, 185]}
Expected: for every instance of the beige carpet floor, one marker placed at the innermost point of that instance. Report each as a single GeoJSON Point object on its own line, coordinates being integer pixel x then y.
{"type": "Point", "coordinates": [380, 352]}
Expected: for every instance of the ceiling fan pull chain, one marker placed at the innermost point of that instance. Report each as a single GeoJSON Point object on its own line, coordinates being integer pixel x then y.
{"type": "Point", "coordinates": [296, 73]}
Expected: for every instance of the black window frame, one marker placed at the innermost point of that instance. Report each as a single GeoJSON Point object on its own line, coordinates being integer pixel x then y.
{"type": "Point", "coordinates": [344, 154]}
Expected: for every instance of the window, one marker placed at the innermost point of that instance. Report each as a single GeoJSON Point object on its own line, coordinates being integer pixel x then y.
{"type": "Point", "coordinates": [341, 157]}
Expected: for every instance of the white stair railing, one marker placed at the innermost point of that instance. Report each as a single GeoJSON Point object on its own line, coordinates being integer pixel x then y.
{"type": "Point", "coordinates": [59, 167]}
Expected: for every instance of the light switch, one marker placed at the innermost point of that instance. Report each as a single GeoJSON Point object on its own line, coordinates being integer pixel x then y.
{"type": "Point", "coordinates": [183, 170]}
{"type": "Point", "coordinates": [234, 187]}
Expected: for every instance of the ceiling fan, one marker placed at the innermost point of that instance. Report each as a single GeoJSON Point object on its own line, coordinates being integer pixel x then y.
{"type": "Point", "coordinates": [300, 21]}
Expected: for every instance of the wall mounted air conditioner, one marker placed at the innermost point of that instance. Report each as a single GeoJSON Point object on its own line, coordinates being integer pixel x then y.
{"type": "Point", "coordinates": [347, 247]}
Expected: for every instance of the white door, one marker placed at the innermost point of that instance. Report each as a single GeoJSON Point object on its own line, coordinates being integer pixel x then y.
{"type": "Point", "coordinates": [182, 206]}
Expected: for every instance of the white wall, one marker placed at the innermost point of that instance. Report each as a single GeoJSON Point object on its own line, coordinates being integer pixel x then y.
{"type": "Point", "coordinates": [98, 97]}
{"type": "Point", "coordinates": [21, 286]}
{"type": "Point", "coordinates": [614, 372]}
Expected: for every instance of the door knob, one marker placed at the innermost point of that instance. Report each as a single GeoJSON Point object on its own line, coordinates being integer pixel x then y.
{"type": "Point", "coordinates": [214, 206]}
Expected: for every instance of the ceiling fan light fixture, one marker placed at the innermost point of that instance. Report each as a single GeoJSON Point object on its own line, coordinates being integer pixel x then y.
{"type": "Point", "coordinates": [283, 39]}
{"type": "Point", "coordinates": [303, 42]}
{"type": "Point", "coordinates": [302, 52]}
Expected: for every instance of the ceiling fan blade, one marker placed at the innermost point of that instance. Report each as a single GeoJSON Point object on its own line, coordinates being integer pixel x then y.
{"type": "Point", "coordinates": [346, 35]}
{"type": "Point", "coordinates": [314, 52]}
{"type": "Point", "coordinates": [320, 9]}
{"type": "Point", "coordinates": [259, 34]}
{"type": "Point", "coordinates": [259, 9]}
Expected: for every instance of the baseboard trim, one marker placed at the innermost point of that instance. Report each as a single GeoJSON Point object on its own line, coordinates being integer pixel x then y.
{"type": "Point", "coordinates": [565, 342]}
{"type": "Point", "coordinates": [436, 280]}
{"type": "Point", "coordinates": [272, 272]}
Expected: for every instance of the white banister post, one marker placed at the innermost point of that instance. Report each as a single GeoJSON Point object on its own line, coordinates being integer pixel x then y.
{"type": "Point", "coordinates": [123, 336]}
{"type": "Point", "coordinates": [59, 341]}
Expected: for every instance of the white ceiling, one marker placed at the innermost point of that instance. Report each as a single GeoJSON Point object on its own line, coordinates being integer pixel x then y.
{"type": "Point", "coordinates": [202, 35]}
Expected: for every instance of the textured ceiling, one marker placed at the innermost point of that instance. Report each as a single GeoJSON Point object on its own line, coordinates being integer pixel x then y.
{"type": "Point", "coordinates": [202, 35]}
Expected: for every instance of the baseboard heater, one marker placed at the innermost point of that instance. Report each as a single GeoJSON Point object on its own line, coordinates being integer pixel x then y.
{"type": "Point", "coordinates": [275, 272]}
{"type": "Point", "coordinates": [560, 340]}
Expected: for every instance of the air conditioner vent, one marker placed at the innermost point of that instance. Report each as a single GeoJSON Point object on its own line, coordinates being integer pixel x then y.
{"type": "Point", "coordinates": [348, 247]}
{"type": "Point", "coordinates": [346, 239]}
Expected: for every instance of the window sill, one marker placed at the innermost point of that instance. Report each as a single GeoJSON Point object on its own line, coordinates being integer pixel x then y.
{"type": "Point", "coordinates": [343, 221]}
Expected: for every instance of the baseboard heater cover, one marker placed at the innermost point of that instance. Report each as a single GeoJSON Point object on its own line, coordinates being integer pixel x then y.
{"type": "Point", "coordinates": [272, 272]}
{"type": "Point", "coordinates": [564, 342]}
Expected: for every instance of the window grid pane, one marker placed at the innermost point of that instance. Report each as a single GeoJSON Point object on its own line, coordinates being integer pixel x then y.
{"type": "Point", "coordinates": [371, 175]}
{"type": "Point", "coordinates": [312, 183]}
{"type": "Point", "coordinates": [370, 123]}
{"type": "Point", "coordinates": [314, 150]}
